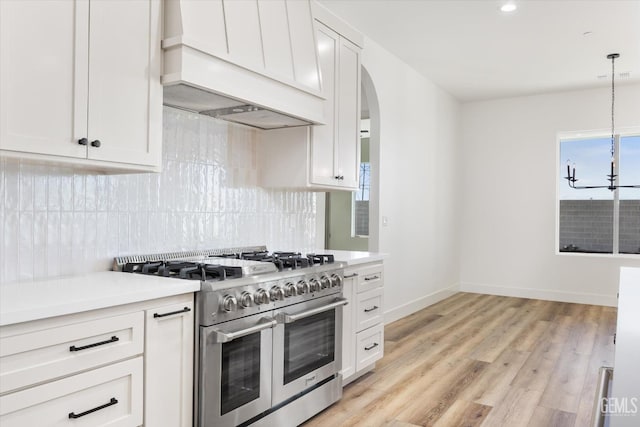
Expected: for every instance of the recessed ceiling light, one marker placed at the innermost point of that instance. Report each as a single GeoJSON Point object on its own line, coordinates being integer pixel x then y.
{"type": "Point", "coordinates": [508, 7]}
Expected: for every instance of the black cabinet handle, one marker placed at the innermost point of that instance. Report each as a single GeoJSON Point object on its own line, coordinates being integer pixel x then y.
{"type": "Point", "coordinates": [367, 310]}
{"type": "Point", "coordinates": [112, 402]}
{"type": "Point", "coordinates": [83, 141]}
{"type": "Point", "coordinates": [84, 347]}
{"type": "Point", "coordinates": [374, 345]}
{"type": "Point", "coordinates": [371, 278]}
{"type": "Point", "coordinates": [95, 143]}
{"type": "Point", "coordinates": [184, 310]}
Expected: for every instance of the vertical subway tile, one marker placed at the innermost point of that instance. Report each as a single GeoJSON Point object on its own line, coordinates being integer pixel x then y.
{"type": "Point", "coordinates": [123, 234]}
{"type": "Point", "coordinates": [40, 190]}
{"type": "Point", "coordinates": [26, 187]}
{"type": "Point", "coordinates": [79, 192]}
{"type": "Point", "coordinates": [11, 245]}
{"type": "Point", "coordinates": [2, 186]}
{"type": "Point", "coordinates": [66, 191]}
{"type": "Point", "coordinates": [90, 188]}
{"type": "Point", "coordinates": [40, 245]}
{"type": "Point", "coordinates": [133, 201]}
{"type": "Point", "coordinates": [113, 185]}
{"type": "Point", "coordinates": [53, 243]}
{"type": "Point", "coordinates": [12, 185]}
{"type": "Point", "coordinates": [102, 195]}
{"type": "Point", "coordinates": [25, 246]}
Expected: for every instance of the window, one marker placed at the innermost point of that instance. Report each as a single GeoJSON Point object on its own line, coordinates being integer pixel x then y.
{"type": "Point", "coordinates": [599, 220]}
{"type": "Point", "coordinates": [361, 202]}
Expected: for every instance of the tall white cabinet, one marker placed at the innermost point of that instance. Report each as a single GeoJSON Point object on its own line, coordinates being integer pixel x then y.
{"type": "Point", "coordinates": [80, 82]}
{"type": "Point", "coordinates": [322, 157]}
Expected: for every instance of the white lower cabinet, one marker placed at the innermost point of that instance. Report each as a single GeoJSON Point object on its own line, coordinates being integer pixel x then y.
{"type": "Point", "coordinates": [121, 366]}
{"type": "Point", "coordinates": [108, 396]}
{"type": "Point", "coordinates": [363, 327]}
{"type": "Point", "coordinates": [169, 366]}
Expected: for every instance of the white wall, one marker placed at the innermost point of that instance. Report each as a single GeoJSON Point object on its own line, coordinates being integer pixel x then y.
{"type": "Point", "coordinates": [508, 220]}
{"type": "Point", "coordinates": [418, 184]}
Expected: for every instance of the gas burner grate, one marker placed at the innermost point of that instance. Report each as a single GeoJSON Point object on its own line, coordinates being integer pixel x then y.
{"type": "Point", "coordinates": [320, 259]}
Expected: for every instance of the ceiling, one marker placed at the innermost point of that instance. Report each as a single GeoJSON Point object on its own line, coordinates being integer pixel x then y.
{"type": "Point", "coordinates": [474, 51]}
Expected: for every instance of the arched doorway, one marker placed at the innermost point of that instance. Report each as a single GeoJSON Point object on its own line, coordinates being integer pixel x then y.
{"type": "Point", "coordinates": [351, 219]}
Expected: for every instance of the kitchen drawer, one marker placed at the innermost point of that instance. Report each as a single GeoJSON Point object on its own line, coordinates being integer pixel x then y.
{"type": "Point", "coordinates": [109, 396]}
{"type": "Point", "coordinates": [369, 277]}
{"type": "Point", "coordinates": [369, 309]}
{"type": "Point", "coordinates": [43, 355]}
{"type": "Point", "coordinates": [370, 346]}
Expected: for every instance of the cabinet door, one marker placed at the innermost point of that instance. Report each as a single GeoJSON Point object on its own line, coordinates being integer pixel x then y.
{"type": "Point", "coordinates": [108, 396]}
{"type": "Point", "coordinates": [169, 366]}
{"type": "Point", "coordinates": [348, 105]}
{"type": "Point", "coordinates": [43, 76]}
{"type": "Point", "coordinates": [348, 328]}
{"type": "Point", "coordinates": [125, 95]}
{"type": "Point", "coordinates": [323, 137]}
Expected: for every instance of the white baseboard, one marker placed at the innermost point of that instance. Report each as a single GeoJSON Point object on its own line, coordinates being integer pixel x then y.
{"type": "Point", "coordinates": [543, 294]}
{"type": "Point", "coordinates": [396, 313]}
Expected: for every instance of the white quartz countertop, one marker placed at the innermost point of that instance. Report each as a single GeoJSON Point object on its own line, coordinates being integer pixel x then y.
{"type": "Point", "coordinates": [26, 301]}
{"type": "Point", "coordinates": [353, 257]}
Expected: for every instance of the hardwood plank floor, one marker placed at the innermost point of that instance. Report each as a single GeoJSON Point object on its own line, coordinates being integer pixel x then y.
{"type": "Point", "coordinates": [483, 360]}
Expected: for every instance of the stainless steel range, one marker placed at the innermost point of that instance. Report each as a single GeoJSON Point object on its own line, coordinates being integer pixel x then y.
{"type": "Point", "coordinates": [268, 333]}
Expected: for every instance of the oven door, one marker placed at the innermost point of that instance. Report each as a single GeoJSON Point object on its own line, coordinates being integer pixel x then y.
{"type": "Point", "coordinates": [307, 345]}
{"type": "Point", "coordinates": [235, 371]}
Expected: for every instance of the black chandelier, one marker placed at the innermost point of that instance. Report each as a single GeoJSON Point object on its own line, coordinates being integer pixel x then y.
{"type": "Point", "coordinates": [571, 177]}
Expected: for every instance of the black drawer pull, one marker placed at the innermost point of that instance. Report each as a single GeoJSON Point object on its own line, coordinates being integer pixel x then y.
{"type": "Point", "coordinates": [374, 345]}
{"type": "Point", "coordinates": [184, 310]}
{"type": "Point", "coordinates": [112, 402]}
{"type": "Point", "coordinates": [83, 141]}
{"type": "Point", "coordinates": [371, 278]}
{"type": "Point", "coordinates": [84, 347]}
{"type": "Point", "coordinates": [367, 310]}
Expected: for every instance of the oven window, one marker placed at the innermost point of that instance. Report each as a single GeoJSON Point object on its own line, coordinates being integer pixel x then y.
{"type": "Point", "coordinates": [240, 372]}
{"type": "Point", "coordinates": [309, 343]}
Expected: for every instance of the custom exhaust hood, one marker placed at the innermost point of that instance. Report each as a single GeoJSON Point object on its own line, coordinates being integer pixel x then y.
{"type": "Point", "coordinates": [250, 62]}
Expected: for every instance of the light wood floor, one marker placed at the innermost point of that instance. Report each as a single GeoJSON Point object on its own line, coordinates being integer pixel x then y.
{"type": "Point", "coordinates": [483, 360]}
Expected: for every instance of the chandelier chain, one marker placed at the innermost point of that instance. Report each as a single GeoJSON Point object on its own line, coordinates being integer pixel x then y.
{"type": "Point", "coordinates": [613, 99]}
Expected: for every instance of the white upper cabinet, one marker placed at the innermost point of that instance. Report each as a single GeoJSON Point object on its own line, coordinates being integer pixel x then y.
{"type": "Point", "coordinates": [335, 147]}
{"type": "Point", "coordinates": [323, 157]}
{"type": "Point", "coordinates": [80, 82]}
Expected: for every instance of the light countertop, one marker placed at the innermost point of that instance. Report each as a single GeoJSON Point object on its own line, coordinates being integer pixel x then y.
{"type": "Point", "coordinates": [26, 301]}
{"type": "Point", "coordinates": [353, 257]}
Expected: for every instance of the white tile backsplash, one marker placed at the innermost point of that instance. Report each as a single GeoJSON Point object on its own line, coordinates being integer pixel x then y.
{"type": "Point", "coordinates": [59, 221]}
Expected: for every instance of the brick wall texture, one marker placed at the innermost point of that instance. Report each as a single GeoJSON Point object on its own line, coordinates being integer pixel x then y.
{"type": "Point", "coordinates": [588, 225]}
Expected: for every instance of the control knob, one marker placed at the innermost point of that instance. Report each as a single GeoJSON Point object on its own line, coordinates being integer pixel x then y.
{"type": "Point", "coordinates": [246, 300]}
{"type": "Point", "coordinates": [229, 303]}
{"type": "Point", "coordinates": [302, 287]}
{"type": "Point", "coordinates": [314, 285]}
{"type": "Point", "coordinates": [261, 297]}
{"type": "Point", "coordinates": [336, 280]}
{"type": "Point", "coordinates": [290, 290]}
{"type": "Point", "coordinates": [277, 293]}
{"type": "Point", "coordinates": [325, 282]}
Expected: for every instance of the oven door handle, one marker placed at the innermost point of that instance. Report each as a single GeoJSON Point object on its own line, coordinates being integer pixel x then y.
{"type": "Point", "coordinates": [290, 318]}
{"type": "Point", "coordinates": [222, 336]}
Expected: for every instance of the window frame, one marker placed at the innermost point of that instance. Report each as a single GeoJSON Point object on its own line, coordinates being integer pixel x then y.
{"type": "Point", "coordinates": [592, 134]}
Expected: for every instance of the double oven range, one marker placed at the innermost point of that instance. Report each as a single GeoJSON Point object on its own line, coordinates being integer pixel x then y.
{"type": "Point", "coordinates": [268, 332]}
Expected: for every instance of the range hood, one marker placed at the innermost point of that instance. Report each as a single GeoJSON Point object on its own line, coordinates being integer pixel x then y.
{"type": "Point", "coordinates": [251, 62]}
